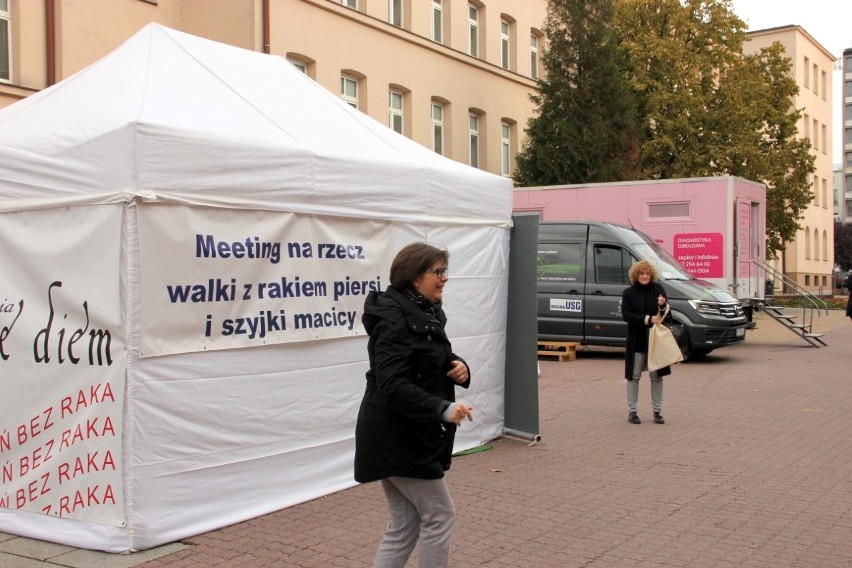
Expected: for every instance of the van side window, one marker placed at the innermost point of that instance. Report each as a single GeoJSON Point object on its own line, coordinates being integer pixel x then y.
{"type": "Point", "coordinates": [560, 262]}
{"type": "Point", "coordinates": [612, 265]}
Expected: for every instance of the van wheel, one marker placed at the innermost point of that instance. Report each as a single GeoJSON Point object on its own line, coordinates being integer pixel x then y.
{"type": "Point", "coordinates": [687, 350]}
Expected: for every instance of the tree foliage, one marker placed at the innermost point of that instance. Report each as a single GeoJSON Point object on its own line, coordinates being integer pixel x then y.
{"type": "Point", "coordinates": [584, 130]}
{"type": "Point", "coordinates": [692, 104]}
{"type": "Point", "coordinates": [843, 245]}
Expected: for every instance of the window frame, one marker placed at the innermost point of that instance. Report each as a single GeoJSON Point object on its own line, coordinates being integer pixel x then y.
{"type": "Point", "coordinates": [349, 99]}
{"type": "Point", "coordinates": [396, 113]}
{"type": "Point", "coordinates": [352, 4]}
{"type": "Point", "coordinates": [505, 44]}
{"type": "Point", "coordinates": [534, 57]}
{"type": "Point", "coordinates": [473, 30]}
{"type": "Point", "coordinates": [505, 148]}
{"type": "Point", "coordinates": [437, 11]}
{"type": "Point", "coordinates": [6, 64]}
{"type": "Point", "coordinates": [395, 13]}
{"type": "Point", "coordinates": [437, 127]}
{"type": "Point", "coordinates": [473, 131]}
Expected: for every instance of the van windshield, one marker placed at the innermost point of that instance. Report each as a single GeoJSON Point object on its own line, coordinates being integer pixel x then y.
{"type": "Point", "coordinates": [668, 267]}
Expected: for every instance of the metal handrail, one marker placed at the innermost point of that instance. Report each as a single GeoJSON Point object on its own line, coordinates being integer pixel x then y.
{"type": "Point", "coordinates": [817, 302]}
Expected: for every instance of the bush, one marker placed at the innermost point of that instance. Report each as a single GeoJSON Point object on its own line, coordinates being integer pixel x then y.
{"type": "Point", "coordinates": [799, 302]}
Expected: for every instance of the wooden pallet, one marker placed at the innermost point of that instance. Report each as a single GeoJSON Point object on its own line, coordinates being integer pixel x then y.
{"type": "Point", "coordinates": [562, 350]}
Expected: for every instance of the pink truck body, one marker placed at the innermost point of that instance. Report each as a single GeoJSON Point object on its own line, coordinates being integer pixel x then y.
{"type": "Point", "coordinates": [715, 227]}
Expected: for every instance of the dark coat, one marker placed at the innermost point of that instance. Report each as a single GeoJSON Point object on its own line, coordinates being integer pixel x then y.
{"type": "Point", "coordinates": [399, 430]}
{"type": "Point", "coordinates": [849, 289]}
{"type": "Point", "coordinates": [633, 311]}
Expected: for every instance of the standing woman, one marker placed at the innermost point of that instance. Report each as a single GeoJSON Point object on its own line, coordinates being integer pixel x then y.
{"type": "Point", "coordinates": [408, 416]}
{"type": "Point", "coordinates": [641, 305]}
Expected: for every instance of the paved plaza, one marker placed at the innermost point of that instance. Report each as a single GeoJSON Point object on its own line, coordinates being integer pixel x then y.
{"type": "Point", "coordinates": [752, 469]}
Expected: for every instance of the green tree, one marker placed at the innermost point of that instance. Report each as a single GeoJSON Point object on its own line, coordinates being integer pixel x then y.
{"type": "Point", "coordinates": [661, 89]}
{"type": "Point", "coordinates": [584, 130]}
{"type": "Point", "coordinates": [843, 245]}
{"type": "Point", "coordinates": [755, 137]}
{"type": "Point", "coordinates": [710, 110]}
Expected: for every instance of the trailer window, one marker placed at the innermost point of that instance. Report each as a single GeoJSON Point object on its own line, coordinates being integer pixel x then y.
{"type": "Point", "coordinates": [664, 210]}
{"type": "Point", "coordinates": [560, 262]}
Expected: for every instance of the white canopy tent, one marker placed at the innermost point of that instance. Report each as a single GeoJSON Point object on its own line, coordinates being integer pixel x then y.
{"type": "Point", "coordinates": [187, 231]}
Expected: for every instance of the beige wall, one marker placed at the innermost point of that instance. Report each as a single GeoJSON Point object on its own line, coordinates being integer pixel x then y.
{"type": "Point", "coordinates": [810, 259]}
{"type": "Point", "coordinates": [332, 39]}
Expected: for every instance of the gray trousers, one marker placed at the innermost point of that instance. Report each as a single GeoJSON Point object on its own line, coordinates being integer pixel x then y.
{"type": "Point", "coordinates": [640, 365]}
{"type": "Point", "coordinates": [419, 509]}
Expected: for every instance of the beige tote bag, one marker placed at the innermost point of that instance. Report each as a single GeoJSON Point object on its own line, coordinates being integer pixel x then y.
{"type": "Point", "coordinates": [663, 349]}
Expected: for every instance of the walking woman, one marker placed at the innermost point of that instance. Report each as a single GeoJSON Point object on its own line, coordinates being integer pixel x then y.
{"type": "Point", "coordinates": [408, 416]}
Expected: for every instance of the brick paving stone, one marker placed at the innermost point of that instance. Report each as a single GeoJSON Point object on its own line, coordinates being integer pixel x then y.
{"type": "Point", "coordinates": [751, 470]}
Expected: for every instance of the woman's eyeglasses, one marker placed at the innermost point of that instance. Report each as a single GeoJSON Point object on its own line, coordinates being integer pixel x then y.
{"type": "Point", "coordinates": [439, 272]}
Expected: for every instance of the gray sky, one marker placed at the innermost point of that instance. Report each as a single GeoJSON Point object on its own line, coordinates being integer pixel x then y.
{"type": "Point", "coordinates": [828, 21]}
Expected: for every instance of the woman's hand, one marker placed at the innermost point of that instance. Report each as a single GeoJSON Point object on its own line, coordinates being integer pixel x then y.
{"type": "Point", "coordinates": [460, 412]}
{"type": "Point", "coordinates": [459, 372]}
{"type": "Point", "coordinates": [661, 300]}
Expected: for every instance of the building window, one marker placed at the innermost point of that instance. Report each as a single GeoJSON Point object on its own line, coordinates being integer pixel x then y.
{"type": "Point", "coordinates": [816, 76]}
{"type": "Point", "coordinates": [824, 84]}
{"type": "Point", "coordinates": [349, 90]}
{"type": "Point", "coordinates": [807, 243]}
{"type": "Point", "coordinates": [395, 12]}
{"type": "Point", "coordinates": [504, 44]}
{"type": "Point", "coordinates": [473, 137]}
{"type": "Point", "coordinates": [807, 70]}
{"type": "Point", "coordinates": [815, 138]}
{"type": "Point", "coordinates": [505, 148]}
{"type": "Point", "coordinates": [473, 30]}
{"type": "Point", "coordinates": [824, 193]}
{"type": "Point", "coordinates": [5, 42]}
{"type": "Point", "coordinates": [849, 65]}
{"type": "Point", "coordinates": [438, 128]}
{"type": "Point", "coordinates": [534, 56]}
{"type": "Point", "coordinates": [825, 247]}
{"type": "Point", "coordinates": [807, 125]}
{"type": "Point", "coordinates": [816, 190]}
{"type": "Point", "coordinates": [395, 111]}
{"type": "Point", "coordinates": [350, 4]}
{"type": "Point", "coordinates": [824, 139]}
{"type": "Point", "coordinates": [437, 21]}
{"type": "Point", "coordinates": [816, 244]}
{"type": "Point", "coordinates": [807, 279]}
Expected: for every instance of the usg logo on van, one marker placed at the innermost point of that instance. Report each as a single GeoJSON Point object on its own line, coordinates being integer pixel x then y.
{"type": "Point", "coordinates": [566, 305]}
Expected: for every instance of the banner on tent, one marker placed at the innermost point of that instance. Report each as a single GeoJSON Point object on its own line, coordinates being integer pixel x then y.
{"type": "Point", "coordinates": [62, 363]}
{"type": "Point", "coordinates": [226, 278]}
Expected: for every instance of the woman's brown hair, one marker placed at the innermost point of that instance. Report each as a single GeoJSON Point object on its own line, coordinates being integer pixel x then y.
{"type": "Point", "coordinates": [412, 261]}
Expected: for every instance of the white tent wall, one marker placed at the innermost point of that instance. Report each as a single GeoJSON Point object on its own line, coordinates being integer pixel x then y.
{"type": "Point", "coordinates": [216, 437]}
{"type": "Point", "coordinates": [295, 407]}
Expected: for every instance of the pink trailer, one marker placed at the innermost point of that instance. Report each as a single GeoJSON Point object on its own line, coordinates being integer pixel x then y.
{"type": "Point", "coordinates": [715, 227]}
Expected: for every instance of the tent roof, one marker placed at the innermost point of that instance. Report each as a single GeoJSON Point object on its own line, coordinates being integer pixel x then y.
{"type": "Point", "coordinates": [177, 117]}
